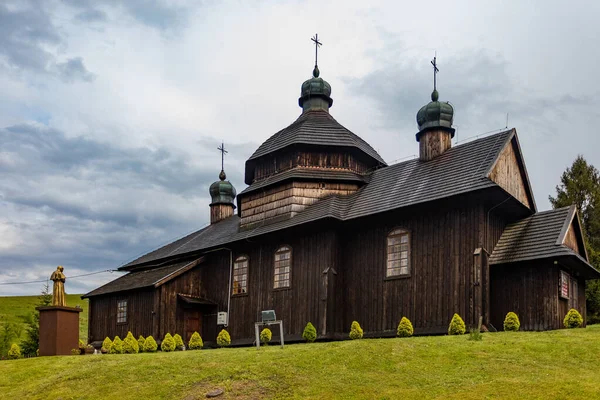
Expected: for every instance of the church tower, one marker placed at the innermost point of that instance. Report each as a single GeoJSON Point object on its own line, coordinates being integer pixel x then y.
{"type": "Point", "coordinates": [222, 194]}
{"type": "Point", "coordinates": [313, 158]}
{"type": "Point", "coordinates": [435, 124]}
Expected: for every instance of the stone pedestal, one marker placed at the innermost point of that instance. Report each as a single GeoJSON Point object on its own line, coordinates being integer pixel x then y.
{"type": "Point", "coordinates": [59, 330]}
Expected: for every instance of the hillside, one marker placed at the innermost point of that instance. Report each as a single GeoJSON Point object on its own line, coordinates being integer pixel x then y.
{"type": "Point", "coordinates": [524, 365]}
{"type": "Point", "coordinates": [15, 309]}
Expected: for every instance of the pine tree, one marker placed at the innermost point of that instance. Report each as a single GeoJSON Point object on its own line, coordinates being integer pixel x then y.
{"type": "Point", "coordinates": [31, 344]}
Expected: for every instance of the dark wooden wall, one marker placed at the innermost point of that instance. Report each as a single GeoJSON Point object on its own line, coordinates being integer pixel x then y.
{"type": "Point", "coordinates": [531, 290]}
{"type": "Point", "coordinates": [304, 301]}
{"type": "Point", "coordinates": [443, 240]}
{"type": "Point", "coordinates": [103, 315]}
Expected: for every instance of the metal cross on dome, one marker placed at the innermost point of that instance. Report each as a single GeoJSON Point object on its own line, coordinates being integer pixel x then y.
{"type": "Point", "coordinates": [317, 44]}
{"type": "Point", "coordinates": [223, 152]}
{"type": "Point", "coordinates": [435, 71]}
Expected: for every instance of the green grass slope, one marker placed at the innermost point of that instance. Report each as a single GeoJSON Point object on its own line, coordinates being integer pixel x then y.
{"type": "Point", "coordinates": [14, 309]}
{"type": "Point", "coordinates": [521, 365]}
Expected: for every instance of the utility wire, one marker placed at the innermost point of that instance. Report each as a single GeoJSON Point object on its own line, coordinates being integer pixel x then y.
{"type": "Point", "coordinates": [71, 277]}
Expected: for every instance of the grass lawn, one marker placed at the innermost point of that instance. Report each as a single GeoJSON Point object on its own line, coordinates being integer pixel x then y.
{"type": "Point", "coordinates": [14, 309]}
{"type": "Point", "coordinates": [561, 364]}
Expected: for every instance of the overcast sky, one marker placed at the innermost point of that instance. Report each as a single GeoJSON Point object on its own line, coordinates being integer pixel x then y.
{"type": "Point", "coordinates": [111, 111]}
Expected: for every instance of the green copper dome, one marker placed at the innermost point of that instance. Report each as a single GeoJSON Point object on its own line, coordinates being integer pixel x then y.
{"type": "Point", "coordinates": [436, 114]}
{"type": "Point", "coordinates": [222, 191]}
{"type": "Point", "coordinates": [315, 87]}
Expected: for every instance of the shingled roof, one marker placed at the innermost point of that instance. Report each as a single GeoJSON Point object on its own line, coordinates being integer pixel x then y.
{"type": "Point", "coordinates": [315, 127]}
{"type": "Point", "coordinates": [307, 173]}
{"type": "Point", "coordinates": [459, 170]}
{"type": "Point", "coordinates": [142, 279]}
{"type": "Point", "coordinates": [540, 236]}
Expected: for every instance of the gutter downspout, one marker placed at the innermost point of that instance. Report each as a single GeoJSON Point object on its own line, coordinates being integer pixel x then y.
{"type": "Point", "coordinates": [230, 277]}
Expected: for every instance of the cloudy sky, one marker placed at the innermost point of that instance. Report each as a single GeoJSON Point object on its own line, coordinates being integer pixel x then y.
{"type": "Point", "coordinates": [111, 111]}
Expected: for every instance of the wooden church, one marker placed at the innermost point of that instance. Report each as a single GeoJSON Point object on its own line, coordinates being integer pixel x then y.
{"type": "Point", "coordinates": [326, 232]}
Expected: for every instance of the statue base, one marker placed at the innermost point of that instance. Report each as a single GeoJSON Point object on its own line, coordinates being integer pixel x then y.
{"type": "Point", "coordinates": [59, 330]}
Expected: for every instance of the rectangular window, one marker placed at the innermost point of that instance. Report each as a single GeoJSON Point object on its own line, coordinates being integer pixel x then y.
{"type": "Point", "coordinates": [240, 275]}
{"type": "Point", "coordinates": [398, 253]}
{"type": "Point", "coordinates": [564, 285]}
{"type": "Point", "coordinates": [121, 311]}
{"type": "Point", "coordinates": [283, 263]}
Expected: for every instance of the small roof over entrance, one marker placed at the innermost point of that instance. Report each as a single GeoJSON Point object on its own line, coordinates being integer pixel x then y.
{"type": "Point", "coordinates": [195, 300]}
{"type": "Point", "coordinates": [554, 235]}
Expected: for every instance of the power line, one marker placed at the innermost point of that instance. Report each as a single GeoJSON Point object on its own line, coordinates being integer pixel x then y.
{"type": "Point", "coordinates": [71, 277]}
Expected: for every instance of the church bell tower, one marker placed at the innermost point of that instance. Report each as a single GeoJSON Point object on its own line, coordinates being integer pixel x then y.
{"type": "Point", "coordinates": [435, 124]}
{"type": "Point", "coordinates": [222, 194]}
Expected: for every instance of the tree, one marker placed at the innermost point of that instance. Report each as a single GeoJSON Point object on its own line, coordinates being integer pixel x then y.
{"type": "Point", "coordinates": [580, 185]}
{"type": "Point", "coordinates": [31, 344]}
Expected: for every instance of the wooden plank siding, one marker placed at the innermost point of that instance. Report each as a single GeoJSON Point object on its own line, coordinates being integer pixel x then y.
{"type": "Point", "coordinates": [443, 239]}
{"type": "Point", "coordinates": [509, 175]}
{"type": "Point", "coordinates": [532, 291]}
{"type": "Point", "coordinates": [104, 312]}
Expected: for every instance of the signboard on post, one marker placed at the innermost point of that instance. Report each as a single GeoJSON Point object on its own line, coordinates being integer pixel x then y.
{"type": "Point", "coordinates": [564, 285]}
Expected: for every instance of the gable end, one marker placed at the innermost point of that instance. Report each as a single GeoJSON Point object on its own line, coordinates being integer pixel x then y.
{"type": "Point", "coordinates": [571, 234]}
{"type": "Point", "coordinates": [508, 172]}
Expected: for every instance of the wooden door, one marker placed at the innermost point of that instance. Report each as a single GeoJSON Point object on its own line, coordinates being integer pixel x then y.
{"type": "Point", "coordinates": [192, 323]}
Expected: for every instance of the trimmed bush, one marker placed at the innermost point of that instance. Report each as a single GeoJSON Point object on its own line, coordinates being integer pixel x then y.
{"type": "Point", "coordinates": [573, 319]}
{"type": "Point", "coordinates": [168, 343]}
{"type": "Point", "coordinates": [141, 343]}
{"type": "Point", "coordinates": [107, 344]}
{"type": "Point", "coordinates": [265, 336]}
{"type": "Point", "coordinates": [405, 328]}
{"type": "Point", "coordinates": [310, 333]}
{"type": "Point", "coordinates": [14, 352]}
{"type": "Point", "coordinates": [81, 344]}
{"type": "Point", "coordinates": [130, 345]}
{"type": "Point", "coordinates": [356, 331]}
{"type": "Point", "coordinates": [150, 345]}
{"type": "Point", "coordinates": [223, 339]}
{"type": "Point", "coordinates": [117, 346]}
{"type": "Point", "coordinates": [75, 352]}
{"type": "Point", "coordinates": [195, 342]}
{"type": "Point", "coordinates": [457, 326]}
{"type": "Point", "coordinates": [511, 322]}
{"type": "Point", "coordinates": [178, 342]}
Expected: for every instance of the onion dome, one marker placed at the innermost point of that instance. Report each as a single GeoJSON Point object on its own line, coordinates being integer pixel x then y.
{"type": "Point", "coordinates": [222, 191]}
{"type": "Point", "coordinates": [436, 114]}
{"type": "Point", "coordinates": [315, 88]}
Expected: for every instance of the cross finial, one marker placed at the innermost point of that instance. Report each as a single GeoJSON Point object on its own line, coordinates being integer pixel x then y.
{"type": "Point", "coordinates": [435, 71]}
{"type": "Point", "coordinates": [223, 152]}
{"type": "Point", "coordinates": [317, 44]}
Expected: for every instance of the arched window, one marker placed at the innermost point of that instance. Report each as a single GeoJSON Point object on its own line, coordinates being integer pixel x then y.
{"type": "Point", "coordinates": [283, 265]}
{"type": "Point", "coordinates": [240, 275]}
{"type": "Point", "coordinates": [398, 253]}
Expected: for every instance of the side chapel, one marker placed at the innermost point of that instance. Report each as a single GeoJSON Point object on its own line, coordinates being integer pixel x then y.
{"type": "Point", "coordinates": [327, 232]}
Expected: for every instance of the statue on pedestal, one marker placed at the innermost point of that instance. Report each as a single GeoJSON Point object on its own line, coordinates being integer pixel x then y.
{"type": "Point", "coordinates": [58, 290]}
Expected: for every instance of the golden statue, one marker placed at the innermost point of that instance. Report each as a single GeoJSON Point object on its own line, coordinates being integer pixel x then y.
{"type": "Point", "coordinates": [58, 291]}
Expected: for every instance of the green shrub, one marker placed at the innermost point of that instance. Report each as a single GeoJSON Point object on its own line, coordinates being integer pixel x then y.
{"type": "Point", "coordinates": [457, 326]}
{"type": "Point", "coordinates": [223, 339]}
{"type": "Point", "coordinates": [117, 346]}
{"type": "Point", "coordinates": [573, 319]}
{"type": "Point", "coordinates": [141, 343]}
{"type": "Point", "coordinates": [405, 328]}
{"type": "Point", "coordinates": [81, 344]}
{"type": "Point", "coordinates": [75, 352]}
{"type": "Point", "coordinates": [168, 343]}
{"type": "Point", "coordinates": [130, 345]}
{"type": "Point", "coordinates": [150, 345]}
{"type": "Point", "coordinates": [356, 331]}
{"type": "Point", "coordinates": [178, 342]}
{"type": "Point", "coordinates": [511, 322]}
{"type": "Point", "coordinates": [15, 352]}
{"type": "Point", "coordinates": [475, 334]}
{"type": "Point", "coordinates": [195, 342]}
{"type": "Point", "coordinates": [107, 344]}
{"type": "Point", "coordinates": [265, 336]}
{"type": "Point", "coordinates": [310, 333]}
